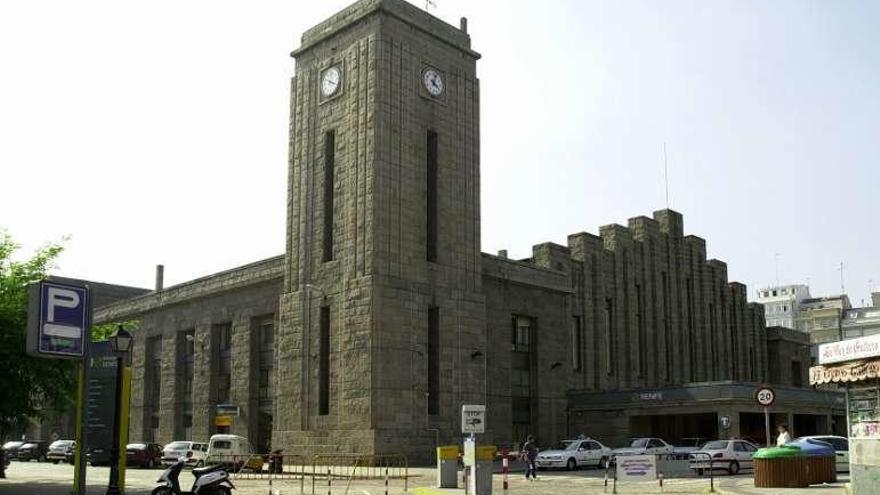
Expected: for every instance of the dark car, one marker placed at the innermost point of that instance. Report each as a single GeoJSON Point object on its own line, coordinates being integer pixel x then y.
{"type": "Point", "coordinates": [33, 450]}
{"type": "Point", "coordinates": [11, 449]}
{"type": "Point", "coordinates": [145, 455]}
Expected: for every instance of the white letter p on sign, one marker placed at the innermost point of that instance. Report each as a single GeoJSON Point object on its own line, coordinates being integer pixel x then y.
{"type": "Point", "coordinates": [62, 298]}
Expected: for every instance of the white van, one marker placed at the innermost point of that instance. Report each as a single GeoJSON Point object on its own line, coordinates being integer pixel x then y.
{"type": "Point", "coordinates": [233, 450]}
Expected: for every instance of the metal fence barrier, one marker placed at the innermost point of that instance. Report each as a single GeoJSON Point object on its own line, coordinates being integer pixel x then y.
{"type": "Point", "coordinates": [611, 468]}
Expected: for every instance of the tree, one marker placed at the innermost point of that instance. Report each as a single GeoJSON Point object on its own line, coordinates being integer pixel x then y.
{"type": "Point", "coordinates": [30, 387]}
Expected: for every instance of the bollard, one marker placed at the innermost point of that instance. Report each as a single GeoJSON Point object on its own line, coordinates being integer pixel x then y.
{"type": "Point", "coordinates": [660, 478]}
{"type": "Point", "coordinates": [329, 481]}
{"type": "Point", "coordinates": [386, 481]}
{"type": "Point", "coordinates": [504, 469]}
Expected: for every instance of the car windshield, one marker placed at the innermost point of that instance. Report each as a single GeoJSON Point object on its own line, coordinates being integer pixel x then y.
{"type": "Point", "coordinates": [178, 445]}
{"type": "Point", "coordinates": [222, 444]}
{"type": "Point", "coordinates": [136, 446]}
{"type": "Point", "coordinates": [639, 442]}
{"type": "Point", "coordinates": [717, 445]}
{"type": "Point", "coordinates": [61, 443]}
{"type": "Point", "coordinates": [566, 445]}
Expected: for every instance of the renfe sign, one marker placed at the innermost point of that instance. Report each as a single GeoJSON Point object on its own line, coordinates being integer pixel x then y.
{"type": "Point", "coordinates": [849, 350]}
{"type": "Point", "coordinates": [58, 320]}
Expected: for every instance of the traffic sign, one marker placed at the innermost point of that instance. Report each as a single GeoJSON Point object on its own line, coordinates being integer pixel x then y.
{"type": "Point", "coordinates": [58, 320]}
{"type": "Point", "coordinates": [765, 396]}
{"type": "Point", "coordinates": [473, 419]}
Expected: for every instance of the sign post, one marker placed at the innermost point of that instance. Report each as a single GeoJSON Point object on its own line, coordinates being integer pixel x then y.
{"type": "Point", "coordinates": [766, 397]}
{"type": "Point", "coordinates": [59, 325]}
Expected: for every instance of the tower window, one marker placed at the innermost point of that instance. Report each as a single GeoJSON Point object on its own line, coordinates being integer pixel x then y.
{"type": "Point", "coordinates": [433, 360]}
{"type": "Point", "coordinates": [575, 343]}
{"type": "Point", "coordinates": [329, 178]}
{"type": "Point", "coordinates": [431, 197]}
{"type": "Point", "coordinates": [324, 364]}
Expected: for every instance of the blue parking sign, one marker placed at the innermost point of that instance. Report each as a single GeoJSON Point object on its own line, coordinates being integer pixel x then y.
{"type": "Point", "coordinates": [58, 319]}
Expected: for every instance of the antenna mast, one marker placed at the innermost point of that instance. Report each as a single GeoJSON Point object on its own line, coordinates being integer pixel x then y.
{"type": "Point", "coordinates": [430, 4]}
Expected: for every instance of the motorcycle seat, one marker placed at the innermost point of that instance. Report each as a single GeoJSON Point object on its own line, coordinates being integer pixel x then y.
{"type": "Point", "coordinates": [205, 470]}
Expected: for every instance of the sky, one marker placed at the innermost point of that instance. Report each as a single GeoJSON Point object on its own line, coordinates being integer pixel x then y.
{"type": "Point", "coordinates": [156, 132]}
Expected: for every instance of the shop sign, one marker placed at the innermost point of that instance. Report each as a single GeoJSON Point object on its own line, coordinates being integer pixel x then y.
{"type": "Point", "coordinates": [223, 421]}
{"type": "Point", "coordinates": [849, 372]}
{"type": "Point", "coordinates": [637, 468]}
{"type": "Point", "coordinates": [849, 350]}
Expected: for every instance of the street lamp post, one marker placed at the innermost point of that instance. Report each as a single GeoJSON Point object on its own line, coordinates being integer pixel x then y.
{"type": "Point", "coordinates": [120, 343]}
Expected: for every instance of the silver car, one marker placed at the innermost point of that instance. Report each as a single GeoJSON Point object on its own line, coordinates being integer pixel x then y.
{"type": "Point", "coordinates": [731, 455]}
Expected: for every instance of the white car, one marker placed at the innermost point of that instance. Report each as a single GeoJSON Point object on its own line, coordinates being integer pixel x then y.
{"type": "Point", "coordinates": [194, 453]}
{"type": "Point", "coordinates": [573, 454]}
{"type": "Point", "coordinates": [841, 448]}
{"type": "Point", "coordinates": [731, 455]}
{"type": "Point", "coordinates": [642, 446]}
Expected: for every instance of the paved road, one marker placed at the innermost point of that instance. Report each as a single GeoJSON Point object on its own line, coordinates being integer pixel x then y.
{"type": "Point", "coordinates": [47, 479]}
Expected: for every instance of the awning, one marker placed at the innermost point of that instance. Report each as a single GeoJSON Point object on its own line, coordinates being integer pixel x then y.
{"type": "Point", "coordinates": [845, 372]}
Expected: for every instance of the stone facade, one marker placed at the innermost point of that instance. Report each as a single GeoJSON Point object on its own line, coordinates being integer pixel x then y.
{"type": "Point", "coordinates": [388, 316]}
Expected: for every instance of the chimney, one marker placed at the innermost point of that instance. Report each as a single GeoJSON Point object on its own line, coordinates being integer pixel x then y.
{"type": "Point", "coordinates": [462, 24]}
{"type": "Point", "coordinates": [875, 299]}
{"type": "Point", "coordinates": [160, 277]}
{"type": "Point", "coordinates": [502, 253]}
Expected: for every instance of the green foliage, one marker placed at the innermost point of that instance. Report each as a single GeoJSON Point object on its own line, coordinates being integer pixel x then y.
{"type": "Point", "coordinates": [30, 387]}
{"type": "Point", "coordinates": [103, 331]}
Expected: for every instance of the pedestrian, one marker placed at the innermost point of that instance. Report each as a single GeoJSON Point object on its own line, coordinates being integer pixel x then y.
{"type": "Point", "coordinates": [784, 436]}
{"type": "Point", "coordinates": [530, 454]}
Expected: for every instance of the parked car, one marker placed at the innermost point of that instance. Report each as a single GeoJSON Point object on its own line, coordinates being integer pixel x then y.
{"type": "Point", "coordinates": [145, 455]}
{"type": "Point", "coordinates": [233, 451]}
{"type": "Point", "coordinates": [33, 450]}
{"type": "Point", "coordinates": [193, 452]}
{"type": "Point", "coordinates": [11, 449]}
{"type": "Point", "coordinates": [731, 455]}
{"type": "Point", "coordinates": [572, 454]}
{"type": "Point", "coordinates": [841, 448]}
{"type": "Point", "coordinates": [98, 456]}
{"type": "Point", "coordinates": [686, 446]}
{"type": "Point", "coordinates": [61, 450]}
{"type": "Point", "coordinates": [641, 446]}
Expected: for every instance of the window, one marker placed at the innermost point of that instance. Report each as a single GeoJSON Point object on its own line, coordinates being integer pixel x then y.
{"type": "Point", "coordinates": [266, 332]}
{"type": "Point", "coordinates": [222, 336]}
{"type": "Point", "coordinates": [609, 335]}
{"type": "Point", "coordinates": [522, 327]}
{"type": "Point", "coordinates": [575, 343]}
{"type": "Point", "coordinates": [324, 364]}
{"type": "Point", "coordinates": [739, 447]}
{"type": "Point", "coordinates": [329, 178]}
{"type": "Point", "coordinates": [433, 360]}
{"type": "Point", "coordinates": [431, 197]}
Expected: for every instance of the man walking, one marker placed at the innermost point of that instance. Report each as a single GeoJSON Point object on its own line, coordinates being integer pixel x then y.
{"type": "Point", "coordinates": [530, 453]}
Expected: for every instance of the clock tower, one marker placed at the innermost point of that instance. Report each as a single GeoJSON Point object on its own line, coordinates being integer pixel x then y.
{"type": "Point", "coordinates": [382, 331]}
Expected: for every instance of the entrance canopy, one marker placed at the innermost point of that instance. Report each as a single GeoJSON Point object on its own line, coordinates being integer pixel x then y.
{"type": "Point", "coordinates": [854, 371]}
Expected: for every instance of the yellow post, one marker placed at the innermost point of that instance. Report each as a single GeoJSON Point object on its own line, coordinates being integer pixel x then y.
{"type": "Point", "coordinates": [125, 398]}
{"type": "Point", "coordinates": [79, 456]}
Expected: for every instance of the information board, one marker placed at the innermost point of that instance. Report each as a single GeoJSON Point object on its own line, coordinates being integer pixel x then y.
{"type": "Point", "coordinates": [637, 467]}
{"type": "Point", "coordinates": [100, 401]}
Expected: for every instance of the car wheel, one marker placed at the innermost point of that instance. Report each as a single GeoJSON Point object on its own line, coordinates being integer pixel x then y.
{"type": "Point", "coordinates": [733, 468]}
{"type": "Point", "coordinates": [161, 490]}
{"type": "Point", "coordinates": [571, 465]}
{"type": "Point", "coordinates": [200, 464]}
{"type": "Point", "coordinates": [55, 461]}
{"type": "Point", "coordinates": [700, 471]}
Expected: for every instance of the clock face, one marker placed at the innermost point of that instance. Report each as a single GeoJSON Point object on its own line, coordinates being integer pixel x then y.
{"type": "Point", "coordinates": [330, 81]}
{"type": "Point", "coordinates": [433, 82]}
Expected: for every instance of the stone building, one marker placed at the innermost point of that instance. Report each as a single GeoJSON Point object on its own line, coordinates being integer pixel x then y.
{"type": "Point", "coordinates": [782, 304]}
{"type": "Point", "coordinates": [383, 316]}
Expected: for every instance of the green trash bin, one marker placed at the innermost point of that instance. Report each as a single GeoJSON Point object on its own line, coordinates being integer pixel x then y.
{"type": "Point", "coordinates": [781, 467]}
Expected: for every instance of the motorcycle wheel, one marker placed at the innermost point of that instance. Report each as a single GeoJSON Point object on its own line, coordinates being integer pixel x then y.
{"type": "Point", "coordinates": [161, 490]}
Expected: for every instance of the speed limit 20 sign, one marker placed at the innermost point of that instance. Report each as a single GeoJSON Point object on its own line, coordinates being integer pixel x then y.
{"type": "Point", "coordinates": [765, 396]}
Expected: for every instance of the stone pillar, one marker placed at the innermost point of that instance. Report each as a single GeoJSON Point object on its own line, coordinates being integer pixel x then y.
{"type": "Point", "coordinates": [168, 414]}
{"type": "Point", "coordinates": [203, 383]}
{"type": "Point", "coordinates": [242, 384]}
{"type": "Point", "coordinates": [136, 420]}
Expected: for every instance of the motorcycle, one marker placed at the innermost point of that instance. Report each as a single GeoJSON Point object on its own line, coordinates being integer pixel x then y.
{"type": "Point", "coordinates": [209, 480]}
